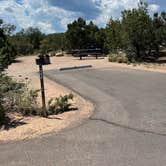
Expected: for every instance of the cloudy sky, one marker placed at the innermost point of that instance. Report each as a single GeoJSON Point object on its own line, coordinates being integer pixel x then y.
{"type": "Point", "coordinates": [53, 15]}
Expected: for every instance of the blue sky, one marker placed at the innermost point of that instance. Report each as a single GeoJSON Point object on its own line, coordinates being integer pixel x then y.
{"type": "Point", "coordinates": [52, 16]}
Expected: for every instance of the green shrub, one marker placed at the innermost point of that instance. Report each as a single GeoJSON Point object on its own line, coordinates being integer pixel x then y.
{"type": "Point", "coordinates": [60, 104]}
{"type": "Point", "coordinates": [125, 59]}
{"type": "Point", "coordinates": [133, 61]}
{"type": "Point", "coordinates": [117, 58]}
{"type": "Point", "coordinates": [112, 58]}
{"type": "Point", "coordinates": [24, 102]}
{"type": "Point", "coordinates": [130, 53]}
{"type": "Point", "coordinates": [17, 97]}
{"type": "Point", "coordinates": [128, 62]}
{"type": "Point", "coordinates": [8, 84]}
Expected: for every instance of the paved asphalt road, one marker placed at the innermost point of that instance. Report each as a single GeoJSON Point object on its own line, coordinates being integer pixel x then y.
{"type": "Point", "coordinates": [127, 128]}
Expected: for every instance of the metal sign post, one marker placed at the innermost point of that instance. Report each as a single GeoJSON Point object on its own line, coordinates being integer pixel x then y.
{"type": "Point", "coordinates": [42, 60]}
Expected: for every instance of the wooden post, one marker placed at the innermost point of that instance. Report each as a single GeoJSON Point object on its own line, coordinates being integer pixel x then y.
{"type": "Point", "coordinates": [42, 90]}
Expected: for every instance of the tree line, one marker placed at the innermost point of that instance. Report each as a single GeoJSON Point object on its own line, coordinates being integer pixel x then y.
{"type": "Point", "coordinates": [136, 33]}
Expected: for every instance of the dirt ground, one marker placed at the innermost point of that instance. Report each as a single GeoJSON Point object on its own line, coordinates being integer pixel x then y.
{"type": "Point", "coordinates": [25, 67]}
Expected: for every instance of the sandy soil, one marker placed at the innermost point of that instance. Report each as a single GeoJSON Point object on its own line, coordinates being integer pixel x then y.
{"type": "Point", "coordinates": [25, 67]}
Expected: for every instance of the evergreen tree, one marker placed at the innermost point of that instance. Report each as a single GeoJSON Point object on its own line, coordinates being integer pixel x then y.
{"type": "Point", "coordinates": [7, 51]}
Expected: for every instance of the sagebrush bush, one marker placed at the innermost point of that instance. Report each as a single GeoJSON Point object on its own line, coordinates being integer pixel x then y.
{"type": "Point", "coordinates": [117, 58]}
{"type": "Point", "coordinates": [59, 104]}
{"type": "Point", "coordinates": [16, 96]}
{"type": "Point", "coordinates": [24, 102]}
{"type": "Point", "coordinates": [27, 102]}
{"type": "Point", "coordinates": [8, 84]}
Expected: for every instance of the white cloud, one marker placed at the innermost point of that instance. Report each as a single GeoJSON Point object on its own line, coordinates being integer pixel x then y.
{"type": "Point", "coordinates": [17, 16]}
{"type": "Point", "coordinates": [54, 15]}
{"type": "Point", "coordinates": [154, 7]}
{"type": "Point", "coordinates": [48, 19]}
{"type": "Point", "coordinates": [112, 8]}
{"type": "Point", "coordinates": [45, 27]}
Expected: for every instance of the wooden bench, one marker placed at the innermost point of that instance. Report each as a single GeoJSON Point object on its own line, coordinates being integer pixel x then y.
{"type": "Point", "coordinates": [87, 52]}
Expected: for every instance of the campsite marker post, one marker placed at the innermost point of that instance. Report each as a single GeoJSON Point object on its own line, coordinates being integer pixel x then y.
{"type": "Point", "coordinates": [43, 60]}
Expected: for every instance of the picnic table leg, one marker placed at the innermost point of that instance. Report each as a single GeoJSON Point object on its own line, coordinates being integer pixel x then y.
{"type": "Point", "coordinates": [96, 56]}
{"type": "Point", "coordinates": [80, 57]}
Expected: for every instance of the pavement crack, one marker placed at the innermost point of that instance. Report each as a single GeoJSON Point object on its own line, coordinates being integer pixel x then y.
{"type": "Point", "coordinates": [128, 127]}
